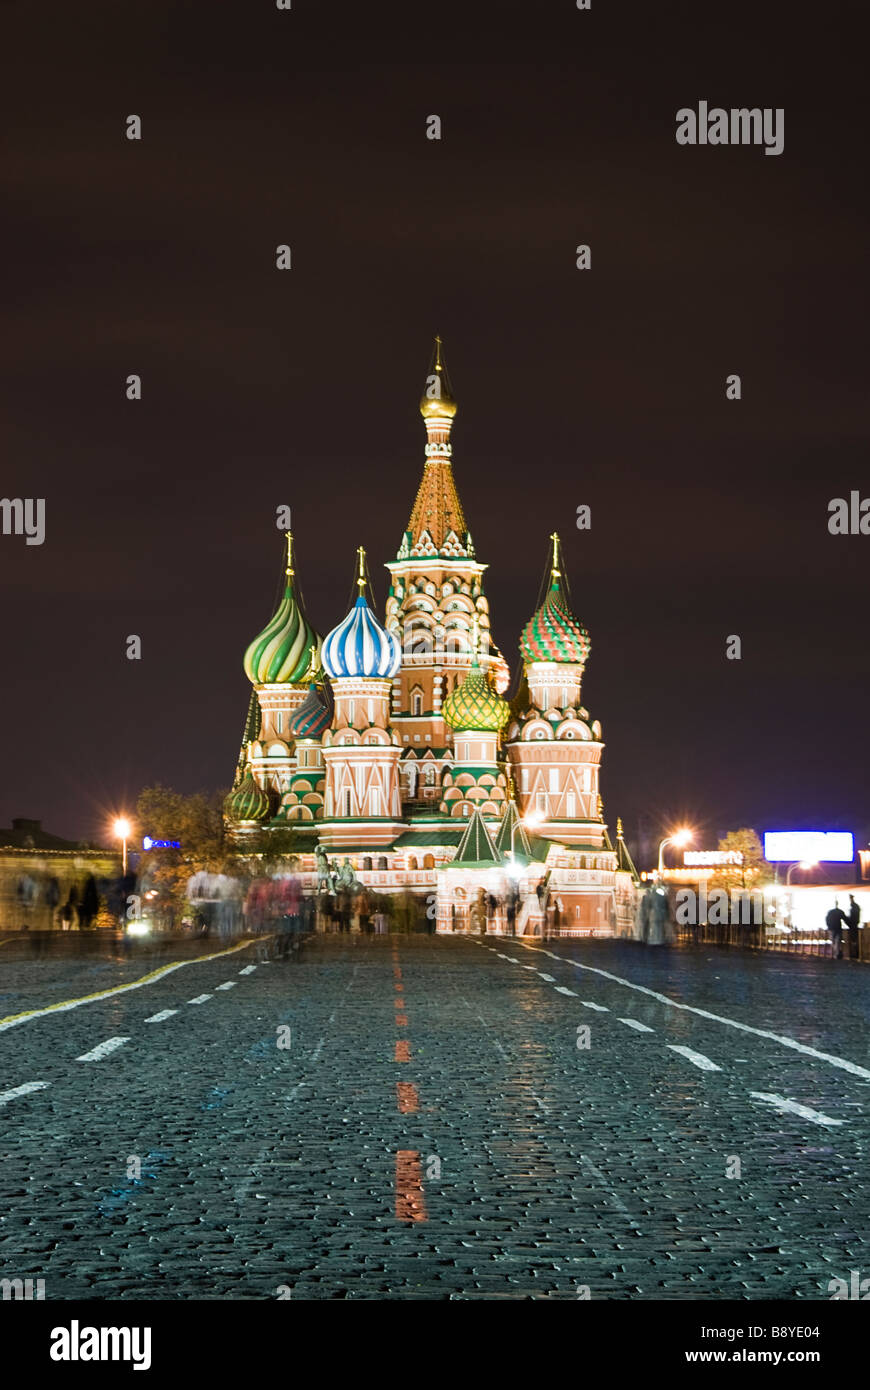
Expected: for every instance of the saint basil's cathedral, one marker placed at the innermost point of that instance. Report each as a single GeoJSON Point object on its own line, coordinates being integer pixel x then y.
{"type": "Point", "coordinates": [391, 744]}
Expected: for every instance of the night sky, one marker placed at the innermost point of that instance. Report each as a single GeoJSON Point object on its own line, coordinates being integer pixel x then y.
{"type": "Point", "coordinates": [607, 387]}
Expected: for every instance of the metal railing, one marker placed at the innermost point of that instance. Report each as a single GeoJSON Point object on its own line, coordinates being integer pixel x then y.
{"type": "Point", "coordinates": [758, 937]}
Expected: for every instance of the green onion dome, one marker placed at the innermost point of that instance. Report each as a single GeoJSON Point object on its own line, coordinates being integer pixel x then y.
{"type": "Point", "coordinates": [282, 651]}
{"type": "Point", "coordinates": [553, 633]}
{"type": "Point", "coordinates": [247, 801]}
{"type": "Point", "coordinates": [475, 704]}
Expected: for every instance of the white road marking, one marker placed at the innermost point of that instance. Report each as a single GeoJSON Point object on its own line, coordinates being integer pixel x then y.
{"type": "Point", "coordinates": [697, 1057]}
{"type": "Point", "coordinates": [241, 1190]}
{"type": "Point", "coordinates": [502, 955]}
{"type": "Point", "coordinates": [316, 1053]}
{"type": "Point", "coordinates": [102, 1050]}
{"type": "Point", "coordinates": [496, 1043]}
{"type": "Point", "coordinates": [781, 1038]}
{"type": "Point", "coordinates": [599, 1008]}
{"type": "Point", "coordinates": [25, 1090]}
{"type": "Point", "coordinates": [562, 989]}
{"type": "Point", "coordinates": [248, 970]}
{"type": "Point", "coordinates": [228, 984]}
{"type": "Point", "coordinates": [148, 979]}
{"type": "Point", "coordinates": [793, 1107]}
{"type": "Point", "coordinates": [639, 1027]}
{"type": "Point", "coordinates": [513, 960]}
{"type": "Point", "coordinates": [200, 999]}
{"type": "Point", "coordinates": [617, 1201]}
{"type": "Point", "coordinates": [530, 967]}
{"type": "Point", "coordinates": [551, 979]}
{"type": "Point", "coordinates": [538, 1101]}
{"type": "Point", "coordinates": [164, 1013]}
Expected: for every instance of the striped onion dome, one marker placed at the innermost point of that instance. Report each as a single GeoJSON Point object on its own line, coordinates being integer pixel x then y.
{"type": "Point", "coordinates": [475, 704]}
{"type": "Point", "coordinates": [282, 651]}
{"type": "Point", "coordinates": [313, 716]}
{"type": "Point", "coordinates": [360, 647]}
{"type": "Point", "coordinates": [553, 633]}
{"type": "Point", "coordinates": [247, 801]}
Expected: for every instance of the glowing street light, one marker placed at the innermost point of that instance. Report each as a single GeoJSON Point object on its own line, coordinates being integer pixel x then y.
{"type": "Point", "coordinates": [680, 837]}
{"type": "Point", "coordinates": [801, 864]}
{"type": "Point", "coordinates": [122, 830]}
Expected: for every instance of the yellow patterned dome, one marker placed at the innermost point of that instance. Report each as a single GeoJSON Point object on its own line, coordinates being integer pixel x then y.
{"type": "Point", "coordinates": [476, 705]}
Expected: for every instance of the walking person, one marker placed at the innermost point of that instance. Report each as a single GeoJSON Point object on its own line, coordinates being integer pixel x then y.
{"type": "Point", "coordinates": [853, 918]}
{"type": "Point", "coordinates": [834, 920]}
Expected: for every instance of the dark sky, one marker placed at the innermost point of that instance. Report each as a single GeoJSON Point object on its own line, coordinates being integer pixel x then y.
{"type": "Point", "coordinates": [606, 387]}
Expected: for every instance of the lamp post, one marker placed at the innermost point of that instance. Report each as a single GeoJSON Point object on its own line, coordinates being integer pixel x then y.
{"type": "Point", "coordinates": [681, 837]}
{"type": "Point", "coordinates": [799, 864]}
{"type": "Point", "coordinates": [122, 830]}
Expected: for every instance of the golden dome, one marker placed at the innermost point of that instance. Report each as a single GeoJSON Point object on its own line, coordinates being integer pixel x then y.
{"type": "Point", "coordinates": [437, 400]}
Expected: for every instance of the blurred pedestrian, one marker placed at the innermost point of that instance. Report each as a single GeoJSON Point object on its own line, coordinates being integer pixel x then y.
{"type": "Point", "coordinates": [834, 920]}
{"type": "Point", "coordinates": [90, 903]}
{"type": "Point", "coordinates": [363, 909]}
{"type": "Point", "coordinates": [853, 917]}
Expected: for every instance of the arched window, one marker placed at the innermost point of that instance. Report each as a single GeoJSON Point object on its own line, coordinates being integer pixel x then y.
{"type": "Point", "coordinates": [430, 776]}
{"type": "Point", "coordinates": [412, 862]}
{"type": "Point", "coordinates": [382, 862]}
{"type": "Point", "coordinates": [429, 861]}
{"type": "Point", "coordinates": [367, 863]}
{"type": "Point", "coordinates": [417, 703]}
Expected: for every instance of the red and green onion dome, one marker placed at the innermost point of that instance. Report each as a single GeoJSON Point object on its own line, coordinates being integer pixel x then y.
{"type": "Point", "coordinates": [247, 801]}
{"type": "Point", "coordinates": [476, 705]}
{"type": "Point", "coordinates": [282, 651]}
{"type": "Point", "coordinates": [313, 717]}
{"type": "Point", "coordinates": [553, 633]}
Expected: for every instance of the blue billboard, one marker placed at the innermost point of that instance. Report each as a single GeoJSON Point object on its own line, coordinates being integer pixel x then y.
{"type": "Point", "coordinates": [816, 846]}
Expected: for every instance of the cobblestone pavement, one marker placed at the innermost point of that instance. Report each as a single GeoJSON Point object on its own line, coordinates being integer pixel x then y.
{"type": "Point", "coordinates": [437, 1126]}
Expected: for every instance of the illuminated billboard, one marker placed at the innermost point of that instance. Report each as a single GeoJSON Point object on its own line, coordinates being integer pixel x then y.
{"type": "Point", "coordinates": [819, 846]}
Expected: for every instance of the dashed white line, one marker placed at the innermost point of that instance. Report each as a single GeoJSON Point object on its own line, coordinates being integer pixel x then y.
{"type": "Point", "coordinates": [513, 960]}
{"type": "Point", "coordinates": [102, 1050]}
{"type": "Point", "coordinates": [562, 989]}
{"type": "Point", "coordinates": [200, 999]}
{"type": "Point", "coordinates": [25, 1090]}
{"type": "Point", "coordinates": [551, 979]}
{"type": "Point", "coordinates": [599, 1008]}
{"type": "Point", "coordinates": [638, 1027]}
{"type": "Point", "coordinates": [164, 1013]}
{"type": "Point", "coordinates": [318, 1049]}
{"type": "Point", "coordinates": [793, 1107]}
{"type": "Point", "coordinates": [228, 984]}
{"type": "Point", "coordinates": [248, 970]}
{"type": "Point", "coordinates": [781, 1038]}
{"type": "Point", "coordinates": [697, 1057]}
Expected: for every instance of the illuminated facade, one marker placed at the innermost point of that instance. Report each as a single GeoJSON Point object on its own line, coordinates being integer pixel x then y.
{"type": "Point", "coordinates": [392, 744]}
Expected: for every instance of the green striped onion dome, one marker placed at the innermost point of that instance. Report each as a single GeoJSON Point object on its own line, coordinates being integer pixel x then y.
{"type": "Point", "coordinates": [282, 651]}
{"type": "Point", "coordinates": [553, 633]}
{"type": "Point", "coordinates": [475, 704]}
{"type": "Point", "coordinates": [247, 801]}
{"type": "Point", "coordinates": [314, 715]}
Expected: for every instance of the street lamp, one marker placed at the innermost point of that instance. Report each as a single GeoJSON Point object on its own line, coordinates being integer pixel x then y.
{"type": "Point", "coordinates": [681, 837]}
{"type": "Point", "coordinates": [122, 830]}
{"type": "Point", "coordinates": [800, 864]}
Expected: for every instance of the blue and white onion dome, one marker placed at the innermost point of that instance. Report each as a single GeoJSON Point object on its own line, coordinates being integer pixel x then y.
{"type": "Point", "coordinates": [360, 646]}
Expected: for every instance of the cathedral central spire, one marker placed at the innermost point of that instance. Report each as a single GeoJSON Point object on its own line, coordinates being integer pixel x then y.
{"type": "Point", "coordinates": [437, 525]}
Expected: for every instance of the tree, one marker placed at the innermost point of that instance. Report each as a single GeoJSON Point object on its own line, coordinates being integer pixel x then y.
{"type": "Point", "coordinates": [748, 874]}
{"type": "Point", "coordinates": [197, 823]}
